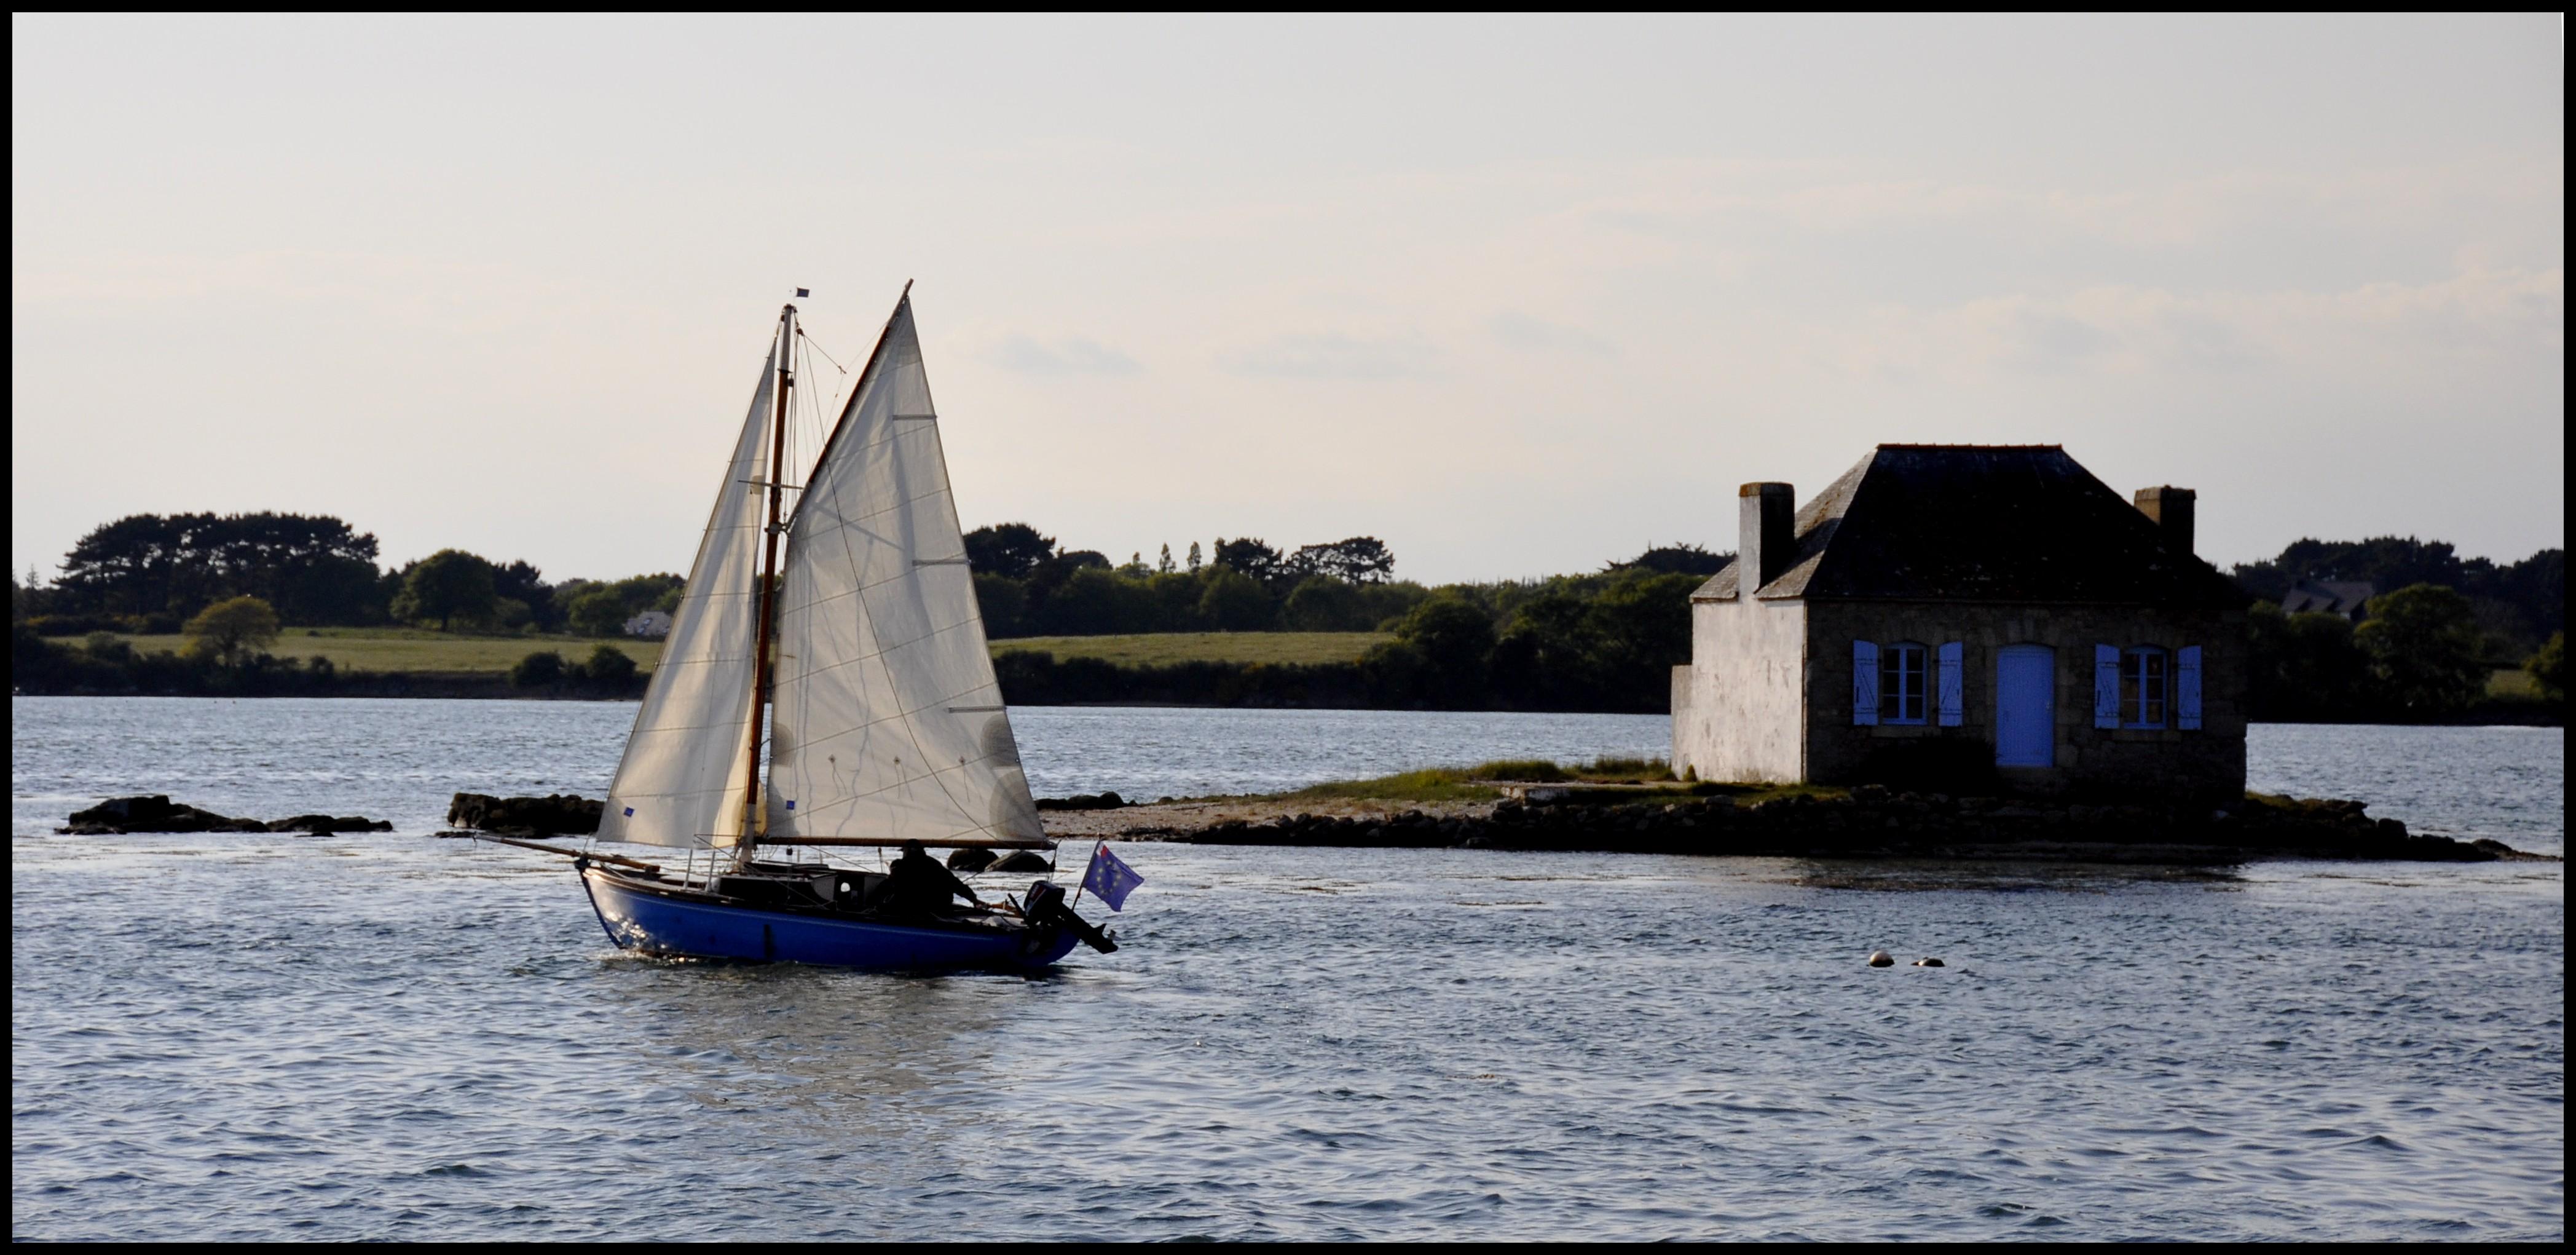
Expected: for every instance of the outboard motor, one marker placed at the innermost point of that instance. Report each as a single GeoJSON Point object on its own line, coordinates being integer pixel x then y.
{"type": "Point", "coordinates": [1045, 905]}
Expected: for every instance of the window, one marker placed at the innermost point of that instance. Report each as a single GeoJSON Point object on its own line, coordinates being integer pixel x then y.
{"type": "Point", "coordinates": [1902, 681]}
{"type": "Point", "coordinates": [2146, 687]}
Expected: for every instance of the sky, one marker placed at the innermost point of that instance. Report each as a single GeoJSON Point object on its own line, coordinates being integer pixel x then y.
{"type": "Point", "coordinates": [1517, 296]}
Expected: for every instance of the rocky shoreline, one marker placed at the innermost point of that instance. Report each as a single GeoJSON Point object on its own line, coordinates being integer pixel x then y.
{"type": "Point", "coordinates": [1867, 822]}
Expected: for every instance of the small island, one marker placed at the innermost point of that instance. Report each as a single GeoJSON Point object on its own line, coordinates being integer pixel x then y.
{"type": "Point", "coordinates": [1636, 807]}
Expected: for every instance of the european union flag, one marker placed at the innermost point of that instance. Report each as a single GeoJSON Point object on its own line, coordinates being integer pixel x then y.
{"type": "Point", "coordinates": [1110, 880]}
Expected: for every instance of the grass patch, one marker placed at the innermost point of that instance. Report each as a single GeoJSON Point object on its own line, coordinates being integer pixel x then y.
{"type": "Point", "coordinates": [1431, 784]}
{"type": "Point", "coordinates": [416, 649]}
{"type": "Point", "coordinates": [2512, 684]}
{"type": "Point", "coordinates": [1534, 770]}
{"type": "Point", "coordinates": [1456, 784]}
{"type": "Point", "coordinates": [1625, 770]}
{"type": "Point", "coordinates": [1160, 649]}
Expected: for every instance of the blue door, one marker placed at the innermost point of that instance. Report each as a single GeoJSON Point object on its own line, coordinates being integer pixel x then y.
{"type": "Point", "coordinates": [2026, 706]}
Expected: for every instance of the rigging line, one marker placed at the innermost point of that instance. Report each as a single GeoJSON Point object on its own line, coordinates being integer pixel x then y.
{"type": "Point", "coordinates": [809, 342]}
{"type": "Point", "coordinates": [836, 365]}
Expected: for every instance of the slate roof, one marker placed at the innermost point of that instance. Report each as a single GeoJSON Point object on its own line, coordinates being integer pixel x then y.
{"type": "Point", "coordinates": [1996, 523]}
{"type": "Point", "coordinates": [2338, 597]}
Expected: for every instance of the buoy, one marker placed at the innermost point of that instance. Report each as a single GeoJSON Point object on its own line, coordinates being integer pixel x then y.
{"type": "Point", "coordinates": [1929, 962]}
{"type": "Point", "coordinates": [1881, 958]}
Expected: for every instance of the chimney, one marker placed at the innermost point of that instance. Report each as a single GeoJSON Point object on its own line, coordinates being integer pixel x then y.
{"type": "Point", "coordinates": [2170, 509]}
{"type": "Point", "coordinates": [1767, 513]}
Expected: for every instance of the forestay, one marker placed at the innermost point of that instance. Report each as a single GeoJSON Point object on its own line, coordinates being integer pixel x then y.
{"type": "Point", "coordinates": [682, 782]}
{"type": "Point", "coordinates": [886, 720]}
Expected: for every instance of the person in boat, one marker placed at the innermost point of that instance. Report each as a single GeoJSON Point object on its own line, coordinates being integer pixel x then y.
{"type": "Point", "coordinates": [918, 885]}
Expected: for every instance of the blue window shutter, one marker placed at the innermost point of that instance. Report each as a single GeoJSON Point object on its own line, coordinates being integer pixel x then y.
{"type": "Point", "coordinates": [1954, 704]}
{"type": "Point", "coordinates": [2187, 688]}
{"type": "Point", "coordinates": [1865, 684]}
{"type": "Point", "coordinates": [2106, 686]}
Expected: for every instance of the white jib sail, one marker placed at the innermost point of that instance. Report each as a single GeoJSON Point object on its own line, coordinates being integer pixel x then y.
{"type": "Point", "coordinates": [681, 782]}
{"type": "Point", "coordinates": [885, 718]}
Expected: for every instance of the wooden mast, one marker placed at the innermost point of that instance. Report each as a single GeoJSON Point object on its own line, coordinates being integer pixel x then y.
{"type": "Point", "coordinates": [755, 821]}
{"type": "Point", "coordinates": [755, 816]}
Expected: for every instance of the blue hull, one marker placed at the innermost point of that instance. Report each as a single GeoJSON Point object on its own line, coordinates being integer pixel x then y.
{"type": "Point", "coordinates": [683, 922]}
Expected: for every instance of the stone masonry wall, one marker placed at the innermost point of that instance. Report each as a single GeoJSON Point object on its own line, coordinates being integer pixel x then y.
{"type": "Point", "coordinates": [2165, 762]}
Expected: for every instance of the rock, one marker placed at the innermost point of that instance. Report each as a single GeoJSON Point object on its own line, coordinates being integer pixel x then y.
{"type": "Point", "coordinates": [156, 813]}
{"type": "Point", "coordinates": [153, 813]}
{"type": "Point", "coordinates": [970, 859]}
{"type": "Point", "coordinates": [1881, 958]}
{"type": "Point", "coordinates": [325, 825]}
{"type": "Point", "coordinates": [1929, 962]}
{"type": "Point", "coordinates": [1023, 861]}
{"type": "Point", "coordinates": [554, 815]}
{"type": "Point", "coordinates": [1106, 800]}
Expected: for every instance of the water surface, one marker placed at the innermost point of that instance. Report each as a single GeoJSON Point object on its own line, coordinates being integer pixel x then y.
{"type": "Point", "coordinates": [389, 1036]}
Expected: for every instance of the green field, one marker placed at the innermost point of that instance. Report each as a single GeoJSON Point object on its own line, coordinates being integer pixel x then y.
{"type": "Point", "coordinates": [1164, 648]}
{"type": "Point", "coordinates": [418, 649]}
{"type": "Point", "coordinates": [415, 649]}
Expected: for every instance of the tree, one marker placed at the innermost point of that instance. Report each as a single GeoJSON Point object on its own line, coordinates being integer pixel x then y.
{"type": "Point", "coordinates": [522, 582]}
{"type": "Point", "coordinates": [1230, 601]}
{"type": "Point", "coordinates": [639, 593]}
{"type": "Point", "coordinates": [230, 631]}
{"type": "Point", "coordinates": [1454, 635]}
{"type": "Point", "coordinates": [1176, 601]}
{"type": "Point", "coordinates": [1358, 560]}
{"type": "Point", "coordinates": [1681, 559]}
{"type": "Point", "coordinates": [2535, 588]}
{"type": "Point", "coordinates": [542, 669]}
{"type": "Point", "coordinates": [2304, 667]}
{"type": "Point", "coordinates": [1004, 602]}
{"type": "Point", "coordinates": [314, 568]}
{"type": "Point", "coordinates": [1549, 654]}
{"type": "Point", "coordinates": [599, 612]}
{"type": "Point", "coordinates": [1163, 565]}
{"type": "Point", "coordinates": [1321, 603]}
{"type": "Point", "coordinates": [446, 585]}
{"type": "Point", "coordinates": [2548, 668]}
{"type": "Point", "coordinates": [609, 667]}
{"type": "Point", "coordinates": [2422, 641]}
{"type": "Point", "coordinates": [1642, 621]}
{"type": "Point", "coordinates": [1011, 550]}
{"type": "Point", "coordinates": [1194, 557]}
{"type": "Point", "coordinates": [1095, 601]}
{"type": "Point", "coordinates": [1251, 557]}
{"type": "Point", "coordinates": [1052, 573]}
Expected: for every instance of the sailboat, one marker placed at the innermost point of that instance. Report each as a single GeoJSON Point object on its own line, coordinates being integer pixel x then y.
{"type": "Point", "coordinates": [852, 665]}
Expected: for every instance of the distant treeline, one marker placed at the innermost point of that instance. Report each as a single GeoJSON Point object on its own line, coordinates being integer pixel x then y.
{"type": "Point", "coordinates": [108, 665]}
{"type": "Point", "coordinates": [2516, 606]}
{"type": "Point", "coordinates": [2439, 627]}
{"type": "Point", "coordinates": [150, 573]}
{"type": "Point", "coordinates": [1603, 641]}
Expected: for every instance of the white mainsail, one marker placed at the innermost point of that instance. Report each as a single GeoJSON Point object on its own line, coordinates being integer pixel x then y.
{"type": "Point", "coordinates": [886, 720]}
{"type": "Point", "coordinates": [682, 782]}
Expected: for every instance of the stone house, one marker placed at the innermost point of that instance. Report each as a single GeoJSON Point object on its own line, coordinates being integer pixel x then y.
{"type": "Point", "coordinates": [1957, 617]}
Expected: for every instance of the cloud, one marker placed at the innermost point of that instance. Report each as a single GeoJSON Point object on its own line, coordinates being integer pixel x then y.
{"type": "Point", "coordinates": [1517, 330]}
{"type": "Point", "coordinates": [1072, 356]}
{"type": "Point", "coordinates": [1335, 357]}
